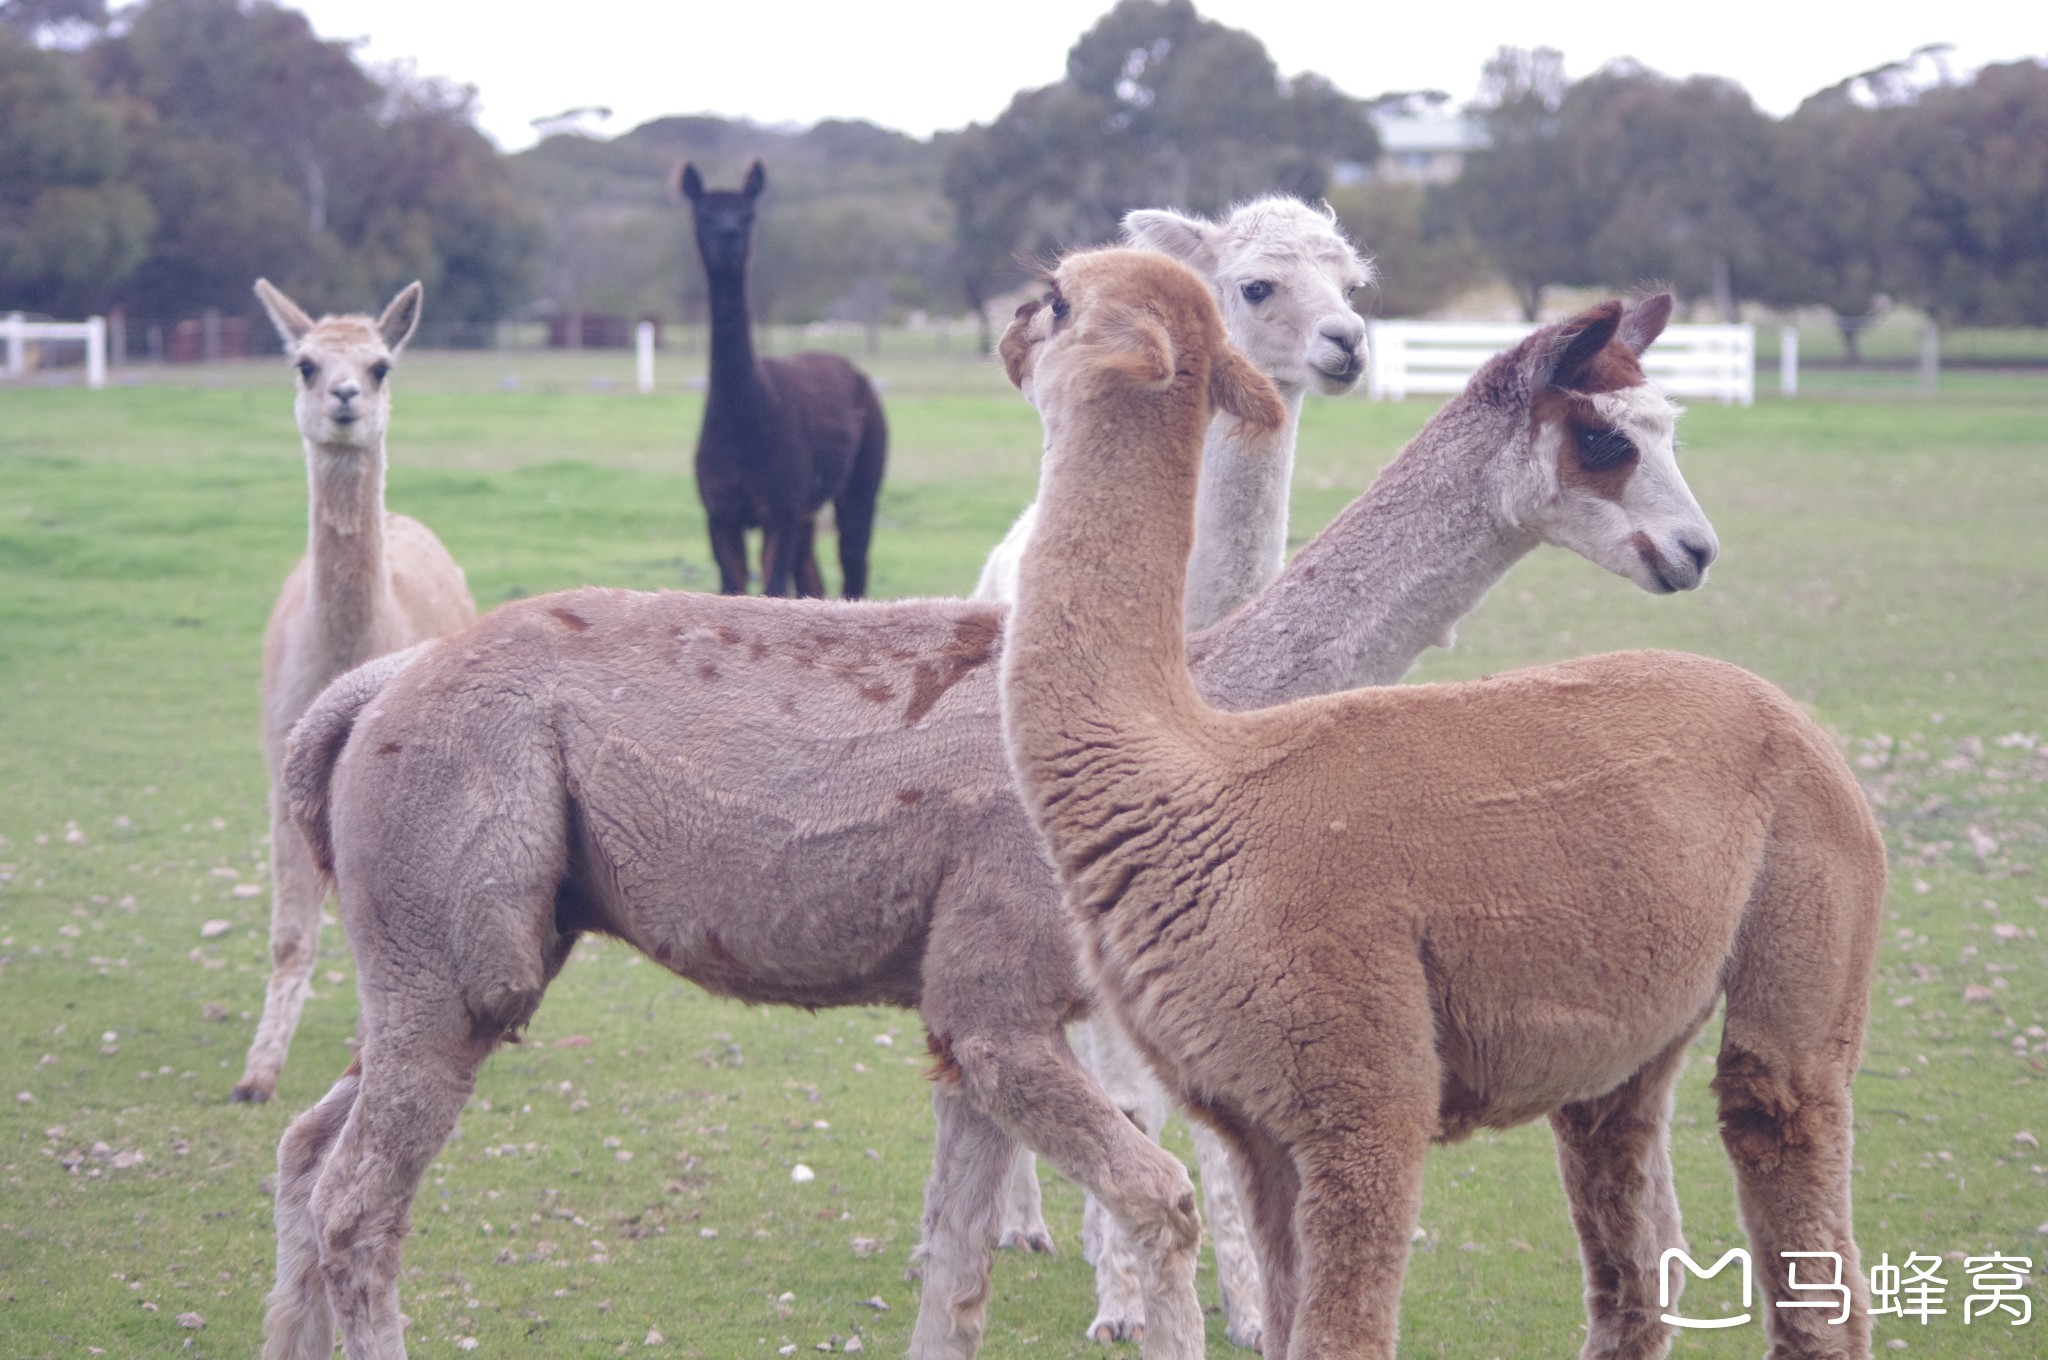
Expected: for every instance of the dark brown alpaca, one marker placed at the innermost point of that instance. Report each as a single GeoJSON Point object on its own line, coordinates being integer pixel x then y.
{"type": "Point", "coordinates": [781, 436]}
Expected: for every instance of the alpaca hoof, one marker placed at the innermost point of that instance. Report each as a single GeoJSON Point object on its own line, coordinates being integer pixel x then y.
{"type": "Point", "coordinates": [249, 1093]}
{"type": "Point", "coordinates": [1249, 1335]}
{"type": "Point", "coordinates": [1107, 1330]}
{"type": "Point", "coordinates": [1037, 1239]}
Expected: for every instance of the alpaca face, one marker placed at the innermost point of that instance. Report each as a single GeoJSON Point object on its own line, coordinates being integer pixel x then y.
{"type": "Point", "coordinates": [344, 397]}
{"type": "Point", "coordinates": [1283, 275]}
{"type": "Point", "coordinates": [724, 219]}
{"type": "Point", "coordinates": [1615, 494]}
{"type": "Point", "coordinates": [1598, 472]}
{"type": "Point", "coordinates": [342, 363]}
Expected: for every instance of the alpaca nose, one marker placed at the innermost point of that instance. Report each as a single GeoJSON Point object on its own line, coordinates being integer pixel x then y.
{"type": "Point", "coordinates": [346, 392]}
{"type": "Point", "coordinates": [1345, 335]}
{"type": "Point", "coordinates": [1701, 551]}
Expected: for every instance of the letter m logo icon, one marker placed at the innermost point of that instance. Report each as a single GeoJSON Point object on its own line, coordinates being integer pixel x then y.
{"type": "Point", "coordinates": [1666, 1275]}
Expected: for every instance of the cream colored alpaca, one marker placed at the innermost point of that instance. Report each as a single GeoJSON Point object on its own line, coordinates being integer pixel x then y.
{"type": "Point", "coordinates": [1283, 275]}
{"type": "Point", "coordinates": [1349, 925]}
{"type": "Point", "coordinates": [371, 582]}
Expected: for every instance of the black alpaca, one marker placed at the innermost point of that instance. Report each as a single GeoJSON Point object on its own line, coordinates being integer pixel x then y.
{"type": "Point", "coordinates": [781, 436]}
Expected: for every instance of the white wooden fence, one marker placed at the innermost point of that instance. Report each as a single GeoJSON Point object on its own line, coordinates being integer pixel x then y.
{"type": "Point", "coordinates": [1716, 362]}
{"type": "Point", "coordinates": [16, 331]}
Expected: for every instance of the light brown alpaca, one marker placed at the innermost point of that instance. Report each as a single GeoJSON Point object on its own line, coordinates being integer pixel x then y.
{"type": "Point", "coordinates": [1350, 925]}
{"type": "Point", "coordinates": [371, 582]}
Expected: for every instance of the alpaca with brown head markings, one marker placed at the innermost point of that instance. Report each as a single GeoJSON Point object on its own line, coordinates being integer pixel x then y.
{"type": "Point", "coordinates": [808, 804]}
{"type": "Point", "coordinates": [371, 582]}
{"type": "Point", "coordinates": [1350, 925]}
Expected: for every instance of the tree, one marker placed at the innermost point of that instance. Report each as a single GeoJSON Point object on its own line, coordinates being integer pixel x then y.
{"type": "Point", "coordinates": [269, 151]}
{"type": "Point", "coordinates": [1674, 172]}
{"type": "Point", "coordinates": [1973, 244]}
{"type": "Point", "coordinates": [1421, 259]}
{"type": "Point", "coordinates": [70, 230]}
{"type": "Point", "coordinates": [1158, 106]}
{"type": "Point", "coordinates": [1519, 195]}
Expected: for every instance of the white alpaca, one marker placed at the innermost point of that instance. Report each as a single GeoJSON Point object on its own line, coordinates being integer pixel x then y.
{"type": "Point", "coordinates": [1283, 274]}
{"type": "Point", "coordinates": [371, 582]}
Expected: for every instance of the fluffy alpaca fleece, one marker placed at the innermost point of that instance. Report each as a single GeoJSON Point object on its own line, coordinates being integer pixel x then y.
{"type": "Point", "coordinates": [371, 582]}
{"type": "Point", "coordinates": [1349, 925]}
{"type": "Point", "coordinates": [836, 824]}
{"type": "Point", "coordinates": [1283, 275]}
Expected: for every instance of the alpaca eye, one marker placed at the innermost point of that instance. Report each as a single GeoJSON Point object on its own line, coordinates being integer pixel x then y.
{"type": "Point", "coordinates": [379, 369]}
{"type": "Point", "coordinates": [307, 368]}
{"type": "Point", "coordinates": [1603, 448]}
{"type": "Point", "coordinates": [1258, 290]}
{"type": "Point", "coordinates": [1059, 307]}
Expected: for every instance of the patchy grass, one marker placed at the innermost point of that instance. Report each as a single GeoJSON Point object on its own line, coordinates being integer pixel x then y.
{"type": "Point", "coordinates": [1884, 562]}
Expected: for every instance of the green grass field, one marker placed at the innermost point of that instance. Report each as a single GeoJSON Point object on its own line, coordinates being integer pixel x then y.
{"type": "Point", "coordinates": [627, 1170]}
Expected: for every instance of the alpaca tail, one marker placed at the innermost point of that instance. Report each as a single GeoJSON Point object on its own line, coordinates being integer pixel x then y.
{"type": "Point", "coordinates": [316, 744]}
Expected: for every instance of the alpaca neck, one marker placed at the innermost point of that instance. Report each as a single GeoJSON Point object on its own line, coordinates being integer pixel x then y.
{"type": "Point", "coordinates": [1079, 676]}
{"type": "Point", "coordinates": [732, 332]}
{"type": "Point", "coordinates": [1390, 577]}
{"type": "Point", "coordinates": [1240, 513]}
{"type": "Point", "coordinates": [350, 586]}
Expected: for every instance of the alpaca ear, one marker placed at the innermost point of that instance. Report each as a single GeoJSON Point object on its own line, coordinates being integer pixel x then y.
{"type": "Point", "coordinates": [1239, 388]}
{"type": "Point", "coordinates": [1138, 346]}
{"type": "Point", "coordinates": [1187, 239]}
{"type": "Point", "coordinates": [292, 323]}
{"type": "Point", "coordinates": [1562, 357]}
{"type": "Point", "coordinates": [401, 317]}
{"type": "Point", "coordinates": [691, 183]}
{"type": "Point", "coordinates": [1645, 322]}
{"type": "Point", "coordinates": [1014, 346]}
{"type": "Point", "coordinates": [757, 180]}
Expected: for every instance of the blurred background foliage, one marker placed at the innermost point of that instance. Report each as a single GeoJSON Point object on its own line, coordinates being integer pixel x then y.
{"type": "Point", "coordinates": [160, 158]}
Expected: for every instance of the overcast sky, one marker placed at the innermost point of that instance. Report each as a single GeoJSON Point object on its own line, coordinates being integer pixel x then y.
{"type": "Point", "coordinates": [922, 65]}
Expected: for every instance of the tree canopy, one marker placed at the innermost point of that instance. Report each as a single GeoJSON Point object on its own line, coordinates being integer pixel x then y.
{"type": "Point", "coordinates": [1158, 106]}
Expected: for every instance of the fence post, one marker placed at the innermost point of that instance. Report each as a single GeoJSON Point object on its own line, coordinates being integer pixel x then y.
{"type": "Point", "coordinates": [15, 331]}
{"type": "Point", "coordinates": [1788, 361]}
{"type": "Point", "coordinates": [643, 346]}
{"type": "Point", "coordinates": [1930, 359]}
{"type": "Point", "coordinates": [95, 351]}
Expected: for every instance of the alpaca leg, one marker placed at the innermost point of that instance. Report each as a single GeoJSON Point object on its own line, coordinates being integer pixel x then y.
{"type": "Point", "coordinates": [1107, 1055]}
{"type": "Point", "coordinates": [1361, 1191]}
{"type": "Point", "coordinates": [1272, 1187]}
{"type": "Point", "coordinates": [1023, 1207]}
{"type": "Point", "coordinates": [415, 1081]}
{"type": "Point", "coordinates": [297, 1322]}
{"type": "Point", "coordinates": [729, 551]}
{"type": "Point", "coordinates": [1237, 1265]}
{"type": "Point", "coordinates": [297, 890]}
{"type": "Point", "coordinates": [1614, 1155]}
{"type": "Point", "coordinates": [1798, 994]}
{"type": "Point", "coordinates": [780, 542]}
{"type": "Point", "coordinates": [971, 1156]}
{"type": "Point", "coordinates": [853, 512]}
{"type": "Point", "coordinates": [1033, 1086]}
{"type": "Point", "coordinates": [810, 584]}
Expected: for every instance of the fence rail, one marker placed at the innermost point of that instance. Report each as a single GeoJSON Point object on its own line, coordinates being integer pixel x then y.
{"type": "Point", "coordinates": [1713, 362]}
{"type": "Point", "coordinates": [16, 331]}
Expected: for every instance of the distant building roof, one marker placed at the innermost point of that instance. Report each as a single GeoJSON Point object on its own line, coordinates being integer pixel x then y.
{"type": "Point", "coordinates": [1402, 133]}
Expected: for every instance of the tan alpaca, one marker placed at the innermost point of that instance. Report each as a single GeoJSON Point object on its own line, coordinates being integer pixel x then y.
{"type": "Point", "coordinates": [1350, 925]}
{"type": "Point", "coordinates": [371, 582]}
